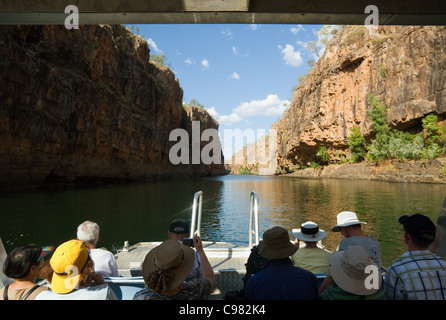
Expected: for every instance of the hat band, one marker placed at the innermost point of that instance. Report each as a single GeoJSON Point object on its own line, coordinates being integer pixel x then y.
{"type": "Point", "coordinates": [172, 264]}
{"type": "Point", "coordinates": [309, 231]}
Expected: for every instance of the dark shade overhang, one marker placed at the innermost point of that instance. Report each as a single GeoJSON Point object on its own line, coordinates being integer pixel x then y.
{"type": "Point", "coordinates": [408, 12]}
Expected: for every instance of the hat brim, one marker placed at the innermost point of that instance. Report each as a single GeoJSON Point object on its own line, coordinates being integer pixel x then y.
{"type": "Point", "coordinates": [309, 238]}
{"type": "Point", "coordinates": [270, 252]}
{"type": "Point", "coordinates": [343, 280]}
{"type": "Point", "coordinates": [336, 228]}
{"type": "Point", "coordinates": [180, 273]}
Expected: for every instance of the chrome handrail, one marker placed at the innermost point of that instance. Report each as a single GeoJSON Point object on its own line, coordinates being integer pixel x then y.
{"type": "Point", "coordinates": [254, 218]}
{"type": "Point", "coordinates": [196, 221]}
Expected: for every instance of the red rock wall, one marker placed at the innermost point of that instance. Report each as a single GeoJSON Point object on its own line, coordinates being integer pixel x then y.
{"type": "Point", "coordinates": [84, 105]}
{"type": "Point", "coordinates": [404, 66]}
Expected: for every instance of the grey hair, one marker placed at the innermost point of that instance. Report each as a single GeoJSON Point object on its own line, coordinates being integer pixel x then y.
{"type": "Point", "coordinates": [88, 232]}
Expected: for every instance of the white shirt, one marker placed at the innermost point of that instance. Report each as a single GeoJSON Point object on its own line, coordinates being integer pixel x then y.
{"type": "Point", "coordinates": [101, 292]}
{"type": "Point", "coordinates": [104, 262]}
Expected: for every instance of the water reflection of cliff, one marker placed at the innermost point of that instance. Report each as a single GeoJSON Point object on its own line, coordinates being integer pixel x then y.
{"type": "Point", "coordinates": [143, 212]}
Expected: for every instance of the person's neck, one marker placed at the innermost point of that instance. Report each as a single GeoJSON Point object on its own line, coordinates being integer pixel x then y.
{"type": "Point", "coordinates": [22, 284]}
{"type": "Point", "coordinates": [356, 233]}
{"type": "Point", "coordinates": [90, 246]}
{"type": "Point", "coordinates": [310, 245]}
{"type": "Point", "coordinates": [412, 247]}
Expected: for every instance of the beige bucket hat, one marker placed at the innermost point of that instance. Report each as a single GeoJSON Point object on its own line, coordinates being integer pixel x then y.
{"type": "Point", "coordinates": [348, 269]}
{"type": "Point", "coordinates": [172, 257]}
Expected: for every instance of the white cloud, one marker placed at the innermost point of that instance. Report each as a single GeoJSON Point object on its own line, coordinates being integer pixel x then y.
{"type": "Point", "coordinates": [205, 63]}
{"type": "Point", "coordinates": [227, 32]}
{"type": "Point", "coordinates": [225, 120]}
{"type": "Point", "coordinates": [296, 29]}
{"type": "Point", "coordinates": [152, 45]}
{"type": "Point", "coordinates": [188, 61]}
{"type": "Point", "coordinates": [236, 52]}
{"type": "Point", "coordinates": [272, 105]}
{"type": "Point", "coordinates": [235, 76]}
{"type": "Point", "coordinates": [253, 26]}
{"type": "Point", "coordinates": [291, 57]}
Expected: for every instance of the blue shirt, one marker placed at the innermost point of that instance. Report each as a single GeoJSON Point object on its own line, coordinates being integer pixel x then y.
{"type": "Point", "coordinates": [280, 280]}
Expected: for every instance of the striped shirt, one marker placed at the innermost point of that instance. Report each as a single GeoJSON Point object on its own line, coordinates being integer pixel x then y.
{"type": "Point", "coordinates": [196, 289]}
{"type": "Point", "coordinates": [416, 275]}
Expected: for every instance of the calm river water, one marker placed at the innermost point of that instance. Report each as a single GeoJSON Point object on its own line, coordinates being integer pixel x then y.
{"type": "Point", "coordinates": [142, 212]}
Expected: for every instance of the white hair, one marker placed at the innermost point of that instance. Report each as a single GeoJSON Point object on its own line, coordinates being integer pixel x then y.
{"type": "Point", "coordinates": [88, 232]}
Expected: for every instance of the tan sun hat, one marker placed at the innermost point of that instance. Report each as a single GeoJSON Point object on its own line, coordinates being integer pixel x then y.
{"type": "Point", "coordinates": [348, 269]}
{"type": "Point", "coordinates": [276, 244]}
{"type": "Point", "coordinates": [345, 219]}
{"type": "Point", "coordinates": [172, 257]}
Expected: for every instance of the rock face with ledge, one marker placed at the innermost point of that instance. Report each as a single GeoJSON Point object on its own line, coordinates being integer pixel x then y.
{"type": "Point", "coordinates": [404, 66]}
{"type": "Point", "coordinates": [85, 106]}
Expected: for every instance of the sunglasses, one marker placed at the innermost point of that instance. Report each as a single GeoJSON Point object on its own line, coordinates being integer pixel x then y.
{"type": "Point", "coordinates": [44, 252]}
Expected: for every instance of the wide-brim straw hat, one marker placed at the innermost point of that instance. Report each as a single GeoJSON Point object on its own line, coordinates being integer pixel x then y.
{"type": "Point", "coordinates": [309, 232]}
{"type": "Point", "coordinates": [170, 256]}
{"type": "Point", "coordinates": [276, 244]}
{"type": "Point", "coordinates": [348, 270]}
{"type": "Point", "coordinates": [345, 219]}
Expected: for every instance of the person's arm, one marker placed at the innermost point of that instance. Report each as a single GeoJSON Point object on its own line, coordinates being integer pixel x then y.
{"type": "Point", "coordinates": [328, 281]}
{"type": "Point", "coordinates": [208, 272]}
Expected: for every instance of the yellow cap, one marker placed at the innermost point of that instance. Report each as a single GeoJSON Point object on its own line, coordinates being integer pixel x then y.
{"type": "Point", "coordinates": [67, 263]}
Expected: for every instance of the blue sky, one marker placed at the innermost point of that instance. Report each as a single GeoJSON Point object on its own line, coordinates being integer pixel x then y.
{"type": "Point", "coordinates": [243, 74]}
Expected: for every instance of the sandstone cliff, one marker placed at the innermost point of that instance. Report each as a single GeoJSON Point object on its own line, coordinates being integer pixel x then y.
{"type": "Point", "coordinates": [85, 105]}
{"type": "Point", "coordinates": [404, 66]}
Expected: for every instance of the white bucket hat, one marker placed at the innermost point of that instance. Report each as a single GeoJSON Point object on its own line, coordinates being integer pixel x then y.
{"type": "Point", "coordinates": [345, 219]}
{"type": "Point", "coordinates": [309, 232]}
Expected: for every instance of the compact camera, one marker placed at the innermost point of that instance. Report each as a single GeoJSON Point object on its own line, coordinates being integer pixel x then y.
{"type": "Point", "coordinates": [189, 242]}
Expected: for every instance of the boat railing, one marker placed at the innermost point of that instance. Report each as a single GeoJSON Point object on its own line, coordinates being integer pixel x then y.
{"type": "Point", "coordinates": [254, 219]}
{"type": "Point", "coordinates": [254, 238]}
{"type": "Point", "coordinates": [196, 214]}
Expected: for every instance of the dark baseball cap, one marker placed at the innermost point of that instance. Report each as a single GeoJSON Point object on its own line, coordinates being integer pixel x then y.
{"type": "Point", "coordinates": [179, 226]}
{"type": "Point", "coordinates": [419, 226]}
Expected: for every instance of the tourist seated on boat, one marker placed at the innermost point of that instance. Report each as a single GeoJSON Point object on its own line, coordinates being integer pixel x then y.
{"type": "Point", "coordinates": [350, 228]}
{"type": "Point", "coordinates": [24, 265]}
{"type": "Point", "coordinates": [280, 280]}
{"type": "Point", "coordinates": [179, 230]}
{"type": "Point", "coordinates": [310, 256]}
{"type": "Point", "coordinates": [70, 273]}
{"type": "Point", "coordinates": [417, 274]}
{"type": "Point", "coordinates": [350, 273]}
{"type": "Point", "coordinates": [104, 260]}
{"type": "Point", "coordinates": [166, 267]}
